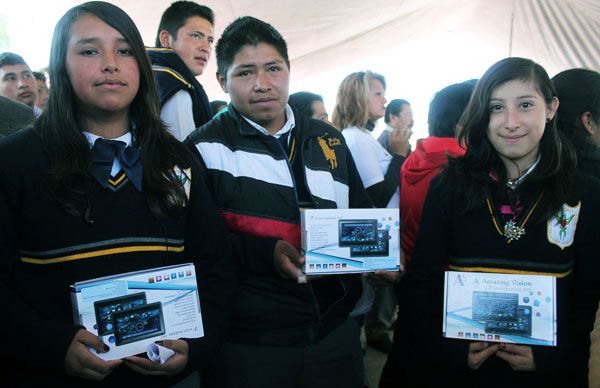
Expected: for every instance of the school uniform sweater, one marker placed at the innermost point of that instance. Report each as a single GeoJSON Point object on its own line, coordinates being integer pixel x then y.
{"type": "Point", "coordinates": [43, 250]}
{"type": "Point", "coordinates": [470, 242]}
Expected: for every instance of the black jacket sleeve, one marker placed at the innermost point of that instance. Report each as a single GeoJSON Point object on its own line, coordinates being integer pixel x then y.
{"type": "Point", "coordinates": [381, 193]}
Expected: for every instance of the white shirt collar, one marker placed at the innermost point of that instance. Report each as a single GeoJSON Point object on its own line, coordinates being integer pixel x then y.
{"type": "Point", "coordinates": [289, 124]}
{"type": "Point", "coordinates": [388, 128]}
{"type": "Point", "coordinates": [91, 138]}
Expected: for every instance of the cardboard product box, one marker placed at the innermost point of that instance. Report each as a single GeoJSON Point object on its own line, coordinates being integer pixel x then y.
{"type": "Point", "coordinates": [131, 311]}
{"type": "Point", "coordinates": [500, 308]}
{"type": "Point", "coordinates": [350, 240]}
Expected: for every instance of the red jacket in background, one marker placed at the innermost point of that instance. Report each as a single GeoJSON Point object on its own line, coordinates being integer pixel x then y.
{"type": "Point", "coordinates": [417, 171]}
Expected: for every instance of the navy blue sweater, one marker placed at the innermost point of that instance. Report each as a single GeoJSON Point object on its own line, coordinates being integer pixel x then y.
{"type": "Point", "coordinates": [470, 242]}
{"type": "Point", "coordinates": [43, 250]}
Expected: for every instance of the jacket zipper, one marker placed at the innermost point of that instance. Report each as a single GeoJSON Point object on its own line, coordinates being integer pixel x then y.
{"type": "Point", "coordinates": [300, 154]}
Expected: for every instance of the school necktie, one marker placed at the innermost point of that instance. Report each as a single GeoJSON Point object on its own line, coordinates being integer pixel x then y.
{"type": "Point", "coordinates": [104, 153]}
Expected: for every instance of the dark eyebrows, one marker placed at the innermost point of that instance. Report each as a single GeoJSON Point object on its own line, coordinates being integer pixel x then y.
{"type": "Point", "coordinates": [518, 98]}
{"type": "Point", "coordinates": [14, 74]}
{"type": "Point", "coordinates": [245, 66]}
{"type": "Point", "coordinates": [97, 40]}
{"type": "Point", "coordinates": [527, 96]}
{"type": "Point", "coordinates": [274, 62]}
{"type": "Point", "coordinates": [203, 34]}
{"type": "Point", "coordinates": [87, 41]}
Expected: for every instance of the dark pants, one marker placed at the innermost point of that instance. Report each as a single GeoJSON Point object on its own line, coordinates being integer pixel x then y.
{"type": "Point", "coordinates": [333, 362]}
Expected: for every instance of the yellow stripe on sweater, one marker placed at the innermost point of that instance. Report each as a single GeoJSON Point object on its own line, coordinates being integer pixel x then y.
{"type": "Point", "coordinates": [103, 252]}
{"type": "Point", "coordinates": [509, 271]}
{"type": "Point", "coordinates": [174, 74]}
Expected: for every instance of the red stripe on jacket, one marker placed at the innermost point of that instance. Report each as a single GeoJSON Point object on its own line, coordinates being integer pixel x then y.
{"type": "Point", "coordinates": [262, 227]}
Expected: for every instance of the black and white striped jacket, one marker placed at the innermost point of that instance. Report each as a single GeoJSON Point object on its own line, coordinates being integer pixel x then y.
{"type": "Point", "coordinates": [253, 184]}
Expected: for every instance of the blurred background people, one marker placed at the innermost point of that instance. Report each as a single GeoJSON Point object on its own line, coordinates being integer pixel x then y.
{"type": "Point", "coordinates": [310, 104]}
{"type": "Point", "coordinates": [217, 107]}
{"type": "Point", "coordinates": [42, 90]}
{"type": "Point", "coordinates": [360, 103]}
{"type": "Point", "coordinates": [398, 115]}
{"type": "Point", "coordinates": [17, 81]}
{"type": "Point", "coordinates": [430, 156]}
{"type": "Point", "coordinates": [184, 44]}
{"type": "Point", "coordinates": [578, 91]}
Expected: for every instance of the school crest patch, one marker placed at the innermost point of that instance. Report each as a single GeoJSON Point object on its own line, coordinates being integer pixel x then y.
{"type": "Point", "coordinates": [561, 227]}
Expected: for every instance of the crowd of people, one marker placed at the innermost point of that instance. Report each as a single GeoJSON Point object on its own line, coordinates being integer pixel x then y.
{"type": "Point", "coordinates": [123, 164]}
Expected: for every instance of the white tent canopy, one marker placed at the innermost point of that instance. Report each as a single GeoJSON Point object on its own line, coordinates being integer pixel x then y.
{"type": "Point", "coordinates": [420, 46]}
{"type": "Point", "coordinates": [322, 35]}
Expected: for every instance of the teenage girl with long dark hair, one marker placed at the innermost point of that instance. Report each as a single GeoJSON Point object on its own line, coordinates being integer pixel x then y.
{"type": "Point", "coordinates": [98, 187]}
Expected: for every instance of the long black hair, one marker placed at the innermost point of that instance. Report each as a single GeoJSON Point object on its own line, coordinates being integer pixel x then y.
{"type": "Point", "coordinates": [579, 92]}
{"type": "Point", "coordinates": [68, 148]}
{"type": "Point", "coordinates": [556, 168]}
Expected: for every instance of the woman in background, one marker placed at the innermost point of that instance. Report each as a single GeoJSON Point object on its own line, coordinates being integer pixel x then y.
{"type": "Point", "coordinates": [360, 103]}
{"type": "Point", "coordinates": [98, 187]}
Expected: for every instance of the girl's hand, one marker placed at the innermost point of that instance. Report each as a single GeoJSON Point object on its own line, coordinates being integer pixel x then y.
{"type": "Point", "coordinates": [519, 357]}
{"type": "Point", "coordinates": [173, 366]}
{"type": "Point", "coordinates": [479, 352]}
{"type": "Point", "coordinates": [81, 362]}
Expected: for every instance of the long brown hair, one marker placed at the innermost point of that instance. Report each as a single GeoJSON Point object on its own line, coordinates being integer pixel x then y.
{"type": "Point", "coordinates": [556, 169]}
{"type": "Point", "coordinates": [351, 106]}
{"type": "Point", "coordinates": [67, 147]}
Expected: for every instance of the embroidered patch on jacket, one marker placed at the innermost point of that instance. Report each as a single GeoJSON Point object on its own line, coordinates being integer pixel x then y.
{"type": "Point", "coordinates": [561, 227]}
{"type": "Point", "coordinates": [185, 177]}
{"type": "Point", "coordinates": [328, 152]}
{"type": "Point", "coordinates": [333, 141]}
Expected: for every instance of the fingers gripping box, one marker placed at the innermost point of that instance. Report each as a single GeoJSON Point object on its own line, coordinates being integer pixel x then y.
{"type": "Point", "coordinates": [500, 308]}
{"type": "Point", "coordinates": [131, 311]}
{"type": "Point", "coordinates": [350, 240]}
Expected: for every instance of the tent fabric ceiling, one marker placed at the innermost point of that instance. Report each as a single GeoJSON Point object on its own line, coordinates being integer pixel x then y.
{"type": "Point", "coordinates": [559, 34]}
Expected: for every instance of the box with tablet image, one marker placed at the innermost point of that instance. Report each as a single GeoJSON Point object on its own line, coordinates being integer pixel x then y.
{"type": "Point", "coordinates": [133, 310]}
{"type": "Point", "coordinates": [350, 240]}
{"type": "Point", "coordinates": [500, 308]}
